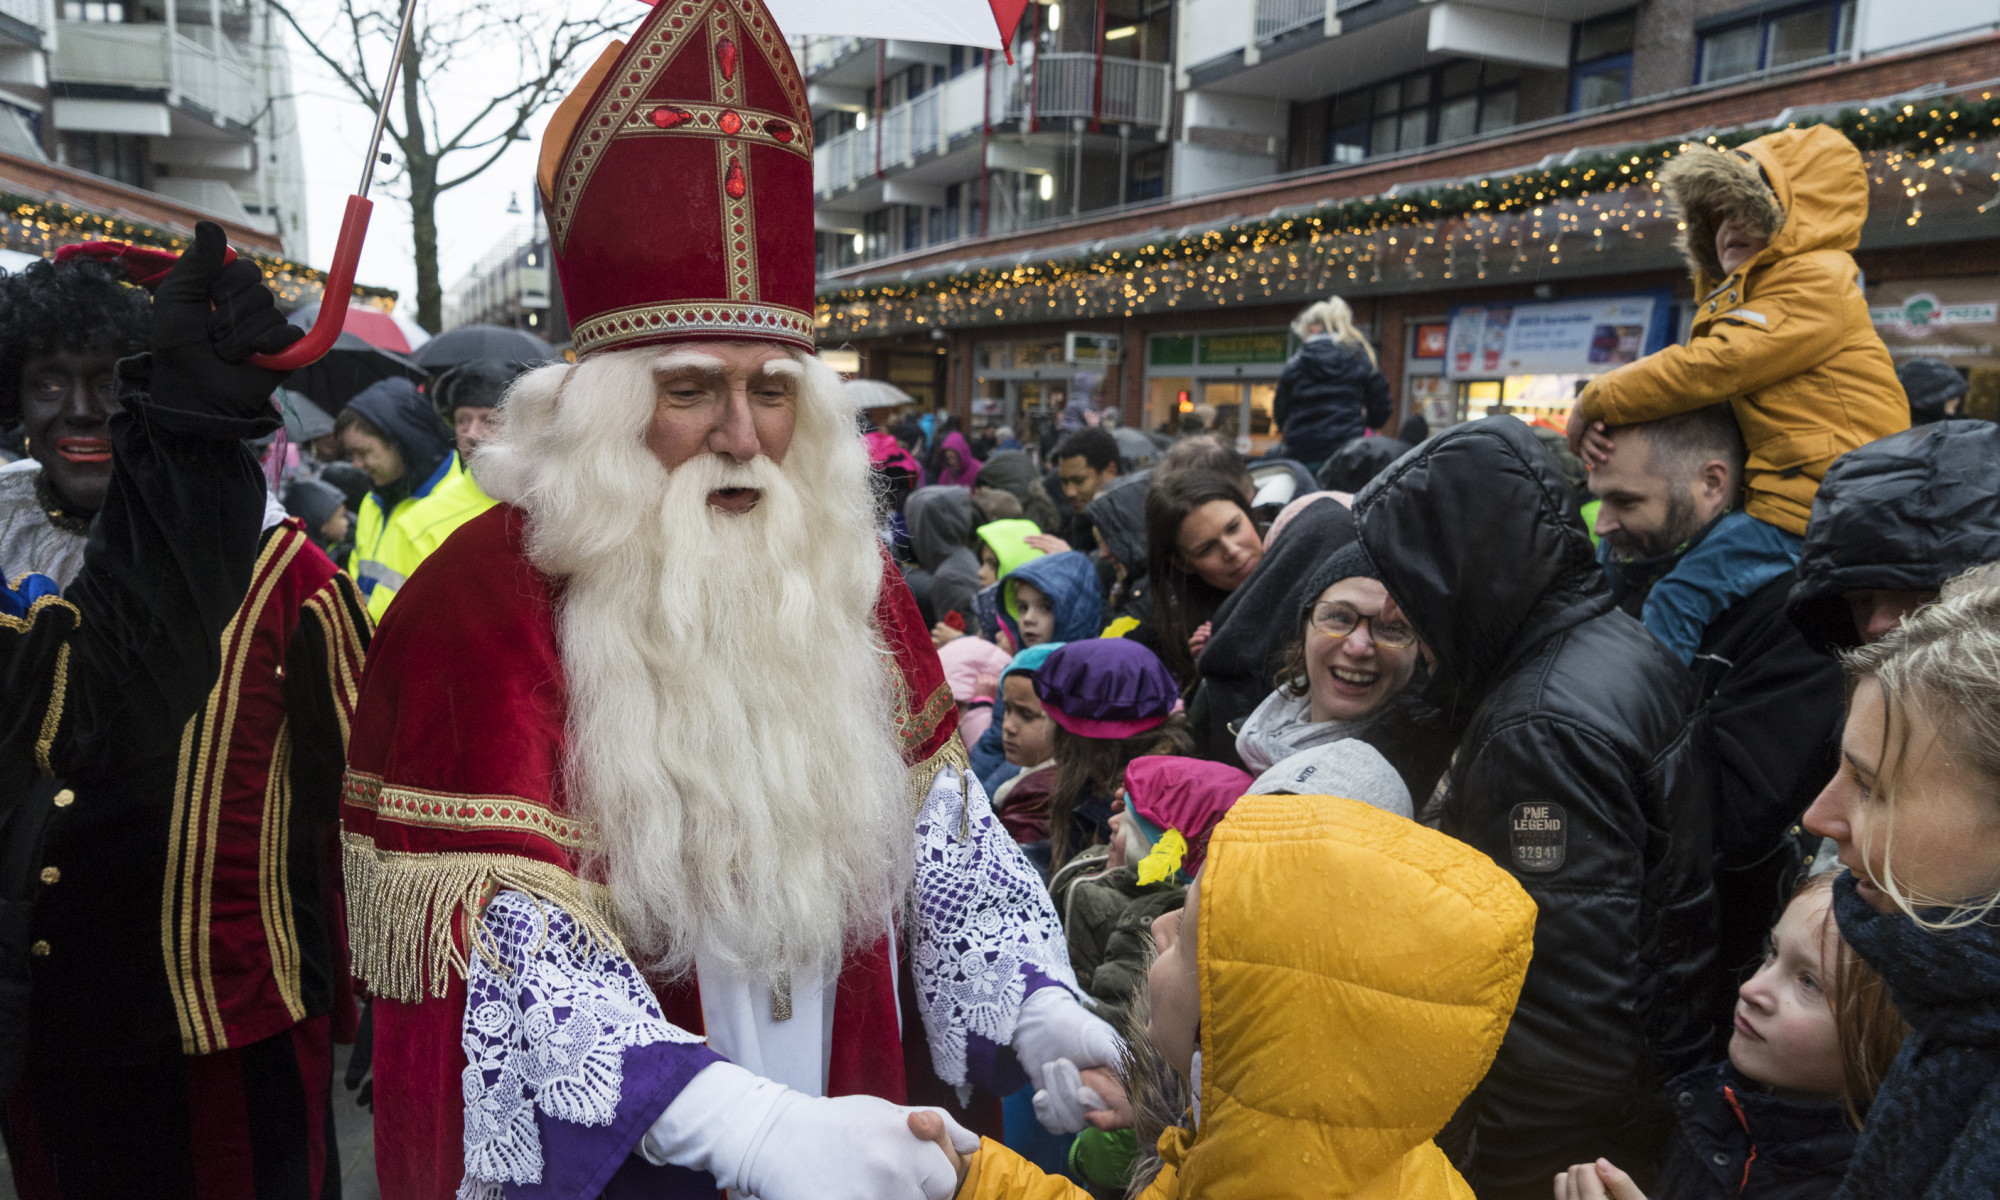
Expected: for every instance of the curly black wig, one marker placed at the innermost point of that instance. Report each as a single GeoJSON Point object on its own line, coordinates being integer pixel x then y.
{"type": "Point", "coordinates": [76, 306]}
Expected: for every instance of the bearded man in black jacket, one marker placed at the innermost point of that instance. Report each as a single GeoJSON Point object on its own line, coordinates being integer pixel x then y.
{"type": "Point", "coordinates": [1771, 706]}
{"type": "Point", "coordinates": [1577, 771]}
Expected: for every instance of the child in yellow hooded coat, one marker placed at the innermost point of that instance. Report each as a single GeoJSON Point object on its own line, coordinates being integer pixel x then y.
{"type": "Point", "coordinates": [1781, 328]}
{"type": "Point", "coordinates": [1338, 982]}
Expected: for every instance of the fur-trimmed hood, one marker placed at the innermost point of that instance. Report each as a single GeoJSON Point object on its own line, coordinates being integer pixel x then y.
{"type": "Point", "coordinates": [1805, 189]}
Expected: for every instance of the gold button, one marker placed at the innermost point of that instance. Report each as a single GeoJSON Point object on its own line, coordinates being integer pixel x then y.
{"type": "Point", "coordinates": [40, 949]}
{"type": "Point", "coordinates": [51, 874]}
{"type": "Point", "coordinates": [65, 798]}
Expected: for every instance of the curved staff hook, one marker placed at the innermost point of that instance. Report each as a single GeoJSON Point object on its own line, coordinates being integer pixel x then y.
{"type": "Point", "coordinates": [353, 232]}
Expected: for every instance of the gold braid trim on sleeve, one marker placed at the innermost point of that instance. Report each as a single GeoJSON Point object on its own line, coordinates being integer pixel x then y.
{"type": "Point", "coordinates": [404, 911]}
{"type": "Point", "coordinates": [45, 745]}
{"type": "Point", "coordinates": [952, 754]}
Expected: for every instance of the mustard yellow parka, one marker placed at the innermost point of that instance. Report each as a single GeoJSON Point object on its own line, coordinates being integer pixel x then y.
{"type": "Point", "coordinates": [1357, 974]}
{"type": "Point", "coordinates": [1785, 338]}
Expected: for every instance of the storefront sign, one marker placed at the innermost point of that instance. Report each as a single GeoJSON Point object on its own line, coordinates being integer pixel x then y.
{"type": "Point", "coordinates": [1243, 348]}
{"type": "Point", "coordinates": [1172, 352]}
{"type": "Point", "coordinates": [1560, 337]}
{"type": "Point", "coordinates": [1432, 340]}
{"type": "Point", "coordinates": [1957, 320]}
{"type": "Point", "coordinates": [1091, 349]}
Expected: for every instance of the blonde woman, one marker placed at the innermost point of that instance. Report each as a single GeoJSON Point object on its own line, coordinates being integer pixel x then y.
{"type": "Point", "coordinates": [1332, 390]}
{"type": "Point", "coordinates": [1915, 811]}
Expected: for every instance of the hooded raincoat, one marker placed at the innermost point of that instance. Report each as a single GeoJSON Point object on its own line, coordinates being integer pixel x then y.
{"type": "Point", "coordinates": [1013, 471]}
{"type": "Point", "coordinates": [1357, 972]}
{"type": "Point", "coordinates": [1009, 541]}
{"type": "Point", "coordinates": [1576, 770]}
{"type": "Point", "coordinates": [966, 473]}
{"type": "Point", "coordinates": [1118, 512]}
{"type": "Point", "coordinates": [1786, 337]}
{"type": "Point", "coordinates": [1903, 514]}
{"type": "Point", "coordinates": [940, 520]}
{"type": "Point", "coordinates": [401, 523]}
{"type": "Point", "coordinates": [1070, 583]}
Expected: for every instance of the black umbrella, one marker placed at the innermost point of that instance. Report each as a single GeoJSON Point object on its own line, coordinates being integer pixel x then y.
{"type": "Point", "coordinates": [484, 343]}
{"type": "Point", "coordinates": [349, 367]}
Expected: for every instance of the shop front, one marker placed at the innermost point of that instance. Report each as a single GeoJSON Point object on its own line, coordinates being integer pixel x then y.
{"type": "Point", "coordinates": [1024, 384]}
{"type": "Point", "coordinates": [1530, 360]}
{"type": "Point", "coordinates": [1232, 371]}
{"type": "Point", "coordinates": [1953, 319]}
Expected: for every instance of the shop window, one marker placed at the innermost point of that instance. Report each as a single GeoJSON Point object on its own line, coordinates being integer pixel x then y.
{"type": "Point", "coordinates": [1601, 62]}
{"type": "Point", "coordinates": [1772, 41]}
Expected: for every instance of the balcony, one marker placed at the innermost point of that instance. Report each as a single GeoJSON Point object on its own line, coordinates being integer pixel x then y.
{"type": "Point", "coordinates": [818, 53]}
{"type": "Point", "coordinates": [28, 12]}
{"type": "Point", "coordinates": [1134, 93]}
{"type": "Point", "coordinates": [1276, 18]}
{"type": "Point", "coordinates": [1060, 86]}
{"type": "Point", "coordinates": [154, 58]}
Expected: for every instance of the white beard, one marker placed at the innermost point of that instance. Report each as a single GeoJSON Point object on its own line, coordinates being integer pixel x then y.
{"type": "Point", "coordinates": [731, 716]}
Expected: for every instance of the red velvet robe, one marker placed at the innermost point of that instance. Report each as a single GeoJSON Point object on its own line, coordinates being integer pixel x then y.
{"type": "Point", "coordinates": [455, 789]}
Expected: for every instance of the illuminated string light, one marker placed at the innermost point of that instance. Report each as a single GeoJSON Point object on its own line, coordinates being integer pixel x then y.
{"type": "Point", "coordinates": [1521, 216]}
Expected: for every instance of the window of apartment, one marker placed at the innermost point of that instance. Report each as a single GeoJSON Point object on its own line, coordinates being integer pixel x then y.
{"type": "Point", "coordinates": [120, 156]}
{"type": "Point", "coordinates": [1601, 62]}
{"type": "Point", "coordinates": [1773, 40]}
{"type": "Point", "coordinates": [1147, 178]}
{"type": "Point", "coordinates": [954, 200]}
{"type": "Point", "coordinates": [874, 234]}
{"type": "Point", "coordinates": [1440, 104]}
{"type": "Point", "coordinates": [965, 58]}
{"type": "Point", "coordinates": [95, 11]}
{"type": "Point", "coordinates": [913, 227]}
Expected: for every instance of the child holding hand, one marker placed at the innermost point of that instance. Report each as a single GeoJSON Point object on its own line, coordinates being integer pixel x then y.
{"type": "Point", "coordinates": [1323, 1055]}
{"type": "Point", "coordinates": [1815, 1034]}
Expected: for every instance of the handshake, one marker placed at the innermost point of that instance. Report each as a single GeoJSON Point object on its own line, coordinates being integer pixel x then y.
{"type": "Point", "coordinates": [762, 1139]}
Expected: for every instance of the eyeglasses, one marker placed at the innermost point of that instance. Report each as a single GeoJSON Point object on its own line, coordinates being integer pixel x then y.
{"type": "Point", "coordinates": [1339, 620]}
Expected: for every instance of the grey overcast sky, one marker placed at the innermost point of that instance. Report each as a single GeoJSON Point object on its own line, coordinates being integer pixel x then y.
{"type": "Point", "coordinates": [471, 217]}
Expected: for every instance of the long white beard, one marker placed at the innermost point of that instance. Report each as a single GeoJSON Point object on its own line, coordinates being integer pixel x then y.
{"type": "Point", "coordinates": [731, 715]}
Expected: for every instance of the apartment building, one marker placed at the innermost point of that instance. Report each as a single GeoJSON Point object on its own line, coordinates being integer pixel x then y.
{"type": "Point", "coordinates": [512, 284]}
{"type": "Point", "coordinates": [186, 100]}
{"type": "Point", "coordinates": [1300, 140]}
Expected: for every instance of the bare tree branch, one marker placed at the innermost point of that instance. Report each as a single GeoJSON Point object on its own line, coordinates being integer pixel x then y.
{"type": "Point", "coordinates": [440, 61]}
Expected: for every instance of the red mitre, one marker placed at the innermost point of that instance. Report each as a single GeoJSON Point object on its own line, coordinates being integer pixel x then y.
{"type": "Point", "coordinates": [677, 179]}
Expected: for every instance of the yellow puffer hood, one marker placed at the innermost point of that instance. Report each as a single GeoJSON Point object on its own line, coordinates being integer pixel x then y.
{"type": "Point", "coordinates": [1357, 973]}
{"type": "Point", "coordinates": [1805, 189]}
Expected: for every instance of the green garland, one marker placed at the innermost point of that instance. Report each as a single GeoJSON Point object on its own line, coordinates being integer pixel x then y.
{"type": "Point", "coordinates": [1913, 127]}
{"type": "Point", "coordinates": [61, 223]}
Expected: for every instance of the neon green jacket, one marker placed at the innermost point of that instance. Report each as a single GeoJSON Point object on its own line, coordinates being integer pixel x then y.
{"type": "Point", "coordinates": [387, 550]}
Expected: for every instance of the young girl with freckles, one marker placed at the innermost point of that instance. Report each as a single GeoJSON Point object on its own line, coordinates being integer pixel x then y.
{"type": "Point", "coordinates": [1815, 1034]}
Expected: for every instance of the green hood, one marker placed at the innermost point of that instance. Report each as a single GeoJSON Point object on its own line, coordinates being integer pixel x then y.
{"type": "Point", "coordinates": [1008, 539]}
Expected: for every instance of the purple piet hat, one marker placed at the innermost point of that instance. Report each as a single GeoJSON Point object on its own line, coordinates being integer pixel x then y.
{"type": "Point", "coordinates": [1106, 688]}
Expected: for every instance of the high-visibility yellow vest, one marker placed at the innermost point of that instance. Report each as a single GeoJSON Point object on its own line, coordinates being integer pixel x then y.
{"type": "Point", "coordinates": [387, 549]}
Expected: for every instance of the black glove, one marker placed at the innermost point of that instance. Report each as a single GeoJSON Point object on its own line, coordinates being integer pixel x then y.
{"type": "Point", "coordinates": [207, 319]}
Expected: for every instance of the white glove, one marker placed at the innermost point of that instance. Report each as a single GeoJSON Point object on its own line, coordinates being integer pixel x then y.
{"type": "Point", "coordinates": [1053, 1026]}
{"type": "Point", "coordinates": [762, 1139]}
{"type": "Point", "coordinates": [1064, 1098]}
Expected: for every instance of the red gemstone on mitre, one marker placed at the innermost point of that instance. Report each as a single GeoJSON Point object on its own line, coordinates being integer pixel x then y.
{"type": "Point", "coordinates": [725, 54]}
{"type": "Point", "coordinates": [779, 130]}
{"type": "Point", "coordinates": [734, 183]}
{"type": "Point", "coordinates": [730, 122]}
{"type": "Point", "coordinates": [667, 118]}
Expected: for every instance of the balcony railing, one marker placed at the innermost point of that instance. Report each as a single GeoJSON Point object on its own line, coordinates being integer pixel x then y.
{"type": "Point", "coordinates": [150, 56]}
{"type": "Point", "coordinates": [27, 12]}
{"type": "Point", "coordinates": [1134, 92]}
{"type": "Point", "coordinates": [1064, 85]}
{"type": "Point", "coordinates": [820, 53]}
{"type": "Point", "coordinates": [1276, 18]}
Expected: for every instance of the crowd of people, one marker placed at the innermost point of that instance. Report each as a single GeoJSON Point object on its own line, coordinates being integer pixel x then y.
{"type": "Point", "coordinates": [668, 789]}
{"type": "Point", "coordinates": [1628, 694]}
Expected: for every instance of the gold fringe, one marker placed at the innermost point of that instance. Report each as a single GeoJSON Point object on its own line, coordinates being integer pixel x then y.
{"type": "Point", "coordinates": [404, 911]}
{"type": "Point", "coordinates": [924, 774]}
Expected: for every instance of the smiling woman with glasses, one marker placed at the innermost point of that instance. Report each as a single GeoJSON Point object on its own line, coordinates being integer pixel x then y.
{"type": "Point", "coordinates": [1354, 652]}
